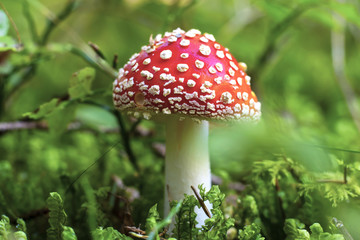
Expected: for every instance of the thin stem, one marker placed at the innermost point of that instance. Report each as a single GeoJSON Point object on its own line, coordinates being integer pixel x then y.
{"type": "Point", "coordinates": [30, 20]}
{"type": "Point", "coordinates": [275, 34]}
{"type": "Point", "coordinates": [338, 60]}
{"type": "Point", "coordinates": [69, 7]}
{"type": "Point", "coordinates": [126, 140]}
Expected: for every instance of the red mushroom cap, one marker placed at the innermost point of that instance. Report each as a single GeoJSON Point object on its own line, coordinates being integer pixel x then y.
{"type": "Point", "coordinates": [188, 74]}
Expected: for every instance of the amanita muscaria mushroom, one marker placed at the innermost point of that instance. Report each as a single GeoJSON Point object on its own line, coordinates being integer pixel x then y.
{"type": "Point", "coordinates": [185, 79]}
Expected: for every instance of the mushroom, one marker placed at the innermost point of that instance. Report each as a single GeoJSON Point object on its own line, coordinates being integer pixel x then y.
{"type": "Point", "coordinates": [185, 79]}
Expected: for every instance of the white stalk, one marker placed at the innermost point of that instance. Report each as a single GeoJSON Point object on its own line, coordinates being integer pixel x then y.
{"type": "Point", "coordinates": [187, 161]}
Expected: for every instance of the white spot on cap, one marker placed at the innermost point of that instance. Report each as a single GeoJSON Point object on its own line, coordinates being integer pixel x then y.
{"type": "Point", "coordinates": [166, 111]}
{"type": "Point", "coordinates": [146, 61]}
{"type": "Point", "coordinates": [166, 69]}
{"type": "Point", "coordinates": [195, 75]}
{"type": "Point", "coordinates": [166, 91]}
{"type": "Point", "coordinates": [172, 39]}
{"type": "Point", "coordinates": [228, 55]}
{"type": "Point", "coordinates": [182, 67]}
{"type": "Point", "coordinates": [199, 64]}
{"type": "Point", "coordinates": [147, 74]}
{"type": "Point", "coordinates": [204, 39]}
{"type": "Point", "coordinates": [157, 100]}
{"type": "Point", "coordinates": [245, 109]}
{"type": "Point", "coordinates": [210, 37]}
{"type": "Point", "coordinates": [156, 68]}
{"type": "Point", "coordinates": [207, 84]}
{"type": "Point", "coordinates": [212, 70]}
{"type": "Point", "coordinates": [184, 55]}
{"type": "Point", "coordinates": [233, 65]}
{"type": "Point", "coordinates": [185, 42]}
{"type": "Point", "coordinates": [245, 96]}
{"type": "Point", "coordinates": [154, 90]}
{"type": "Point", "coordinates": [172, 100]}
{"type": "Point", "coordinates": [257, 106]}
{"type": "Point", "coordinates": [204, 50]}
{"type": "Point", "coordinates": [219, 67]}
{"type": "Point", "coordinates": [237, 107]}
{"type": "Point", "coordinates": [247, 79]}
{"type": "Point", "coordinates": [239, 80]}
{"type": "Point", "coordinates": [181, 79]}
{"type": "Point", "coordinates": [210, 106]}
{"type": "Point", "coordinates": [166, 54]}
{"type": "Point", "coordinates": [231, 72]}
{"type": "Point", "coordinates": [226, 98]}
{"type": "Point", "coordinates": [190, 34]}
{"type": "Point", "coordinates": [178, 90]}
{"type": "Point", "coordinates": [251, 102]}
{"type": "Point", "coordinates": [218, 80]}
{"type": "Point", "coordinates": [191, 83]}
{"type": "Point", "coordinates": [232, 82]}
{"type": "Point", "coordinates": [217, 46]}
{"type": "Point", "coordinates": [191, 95]}
{"type": "Point", "coordinates": [134, 67]}
{"type": "Point", "coordinates": [220, 54]}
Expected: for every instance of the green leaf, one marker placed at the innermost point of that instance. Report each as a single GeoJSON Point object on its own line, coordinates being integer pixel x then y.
{"type": "Point", "coordinates": [250, 232]}
{"type": "Point", "coordinates": [6, 231]}
{"type": "Point", "coordinates": [293, 229]}
{"type": "Point", "coordinates": [7, 43]}
{"type": "Point", "coordinates": [4, 23]}
{"type": "Point", "coordinates": [80, 83]}
{"type": "Point", "coordinates": [108, 234]}
{"type": "Point", "coordinates": [152, 219]}
{"type": "Point", "coordinates": [68, 234]}
{"type": "Point", "coordinates": [57, 216]}
{"type": "Point", "coordinates": [44, 110]}
{"type": "Point", "coordinates": [59, 119]}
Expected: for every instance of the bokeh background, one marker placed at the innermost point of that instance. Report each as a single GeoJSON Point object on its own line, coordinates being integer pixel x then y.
{"type": "Point", "coordinates": [303, 57]}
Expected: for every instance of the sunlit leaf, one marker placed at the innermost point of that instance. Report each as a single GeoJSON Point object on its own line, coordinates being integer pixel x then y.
{"type": "Point", "coordinates": [80, 83]}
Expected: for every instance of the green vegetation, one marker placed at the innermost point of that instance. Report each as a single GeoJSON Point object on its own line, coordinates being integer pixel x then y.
{"type": "Point", "coordinates": [71, 167]}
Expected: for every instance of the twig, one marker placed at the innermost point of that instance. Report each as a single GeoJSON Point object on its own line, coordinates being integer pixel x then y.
{"type": "Point", "coordinates": [96, 50]}
{"type": "Point", "coordinates": [12, 22]}
{"type": "Point", "coordinates": [206, 210]}
{"type": "Point", "coordinates": [30, 21]}
{"type": "Point", "coordinates": [52, 23]}
{"type": "Point", "coordinates": [338, 61]}
{"type": "Point", "coordinates": [41, 125]}
{"type": "Point", "coordinates": [277, 189]}
{"type": "Point", "coordinates": [126, 140]}
{"type": "Point", "coordinates": [93, 164]}
{"type": "Point", "coordinates": [115, 62]}
{"type": "Point", "coordinates": [274, 35]}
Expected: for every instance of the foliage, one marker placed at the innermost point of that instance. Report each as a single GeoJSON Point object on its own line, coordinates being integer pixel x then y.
{"type": "Point", "coordinates": [73, 168]}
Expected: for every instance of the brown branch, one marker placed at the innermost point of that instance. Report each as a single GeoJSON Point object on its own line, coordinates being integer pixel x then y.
{"type": "Point", "coordinates": [42, 125]}
{"type": "Point", "coordinates": [206, 210]}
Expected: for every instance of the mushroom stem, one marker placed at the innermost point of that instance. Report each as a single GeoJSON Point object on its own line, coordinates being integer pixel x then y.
{"type": "Point", "coordinates": [187, 161]}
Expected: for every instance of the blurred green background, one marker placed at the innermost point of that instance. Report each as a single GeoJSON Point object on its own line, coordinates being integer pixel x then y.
{"type": "Point", "coordinates": [310, 108]}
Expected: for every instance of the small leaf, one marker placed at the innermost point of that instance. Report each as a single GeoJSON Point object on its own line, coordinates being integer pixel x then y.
{"type": "Point", "coordinates": [80, 83]}
{"type": "Point", "coordinates": [43, 110]}
{"type": "Point", "coordinates": [59, 119]}
{"type": "Point", "coordinates": [108, 234]}
{"type": "Point", "coordinates": [4, 23]}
